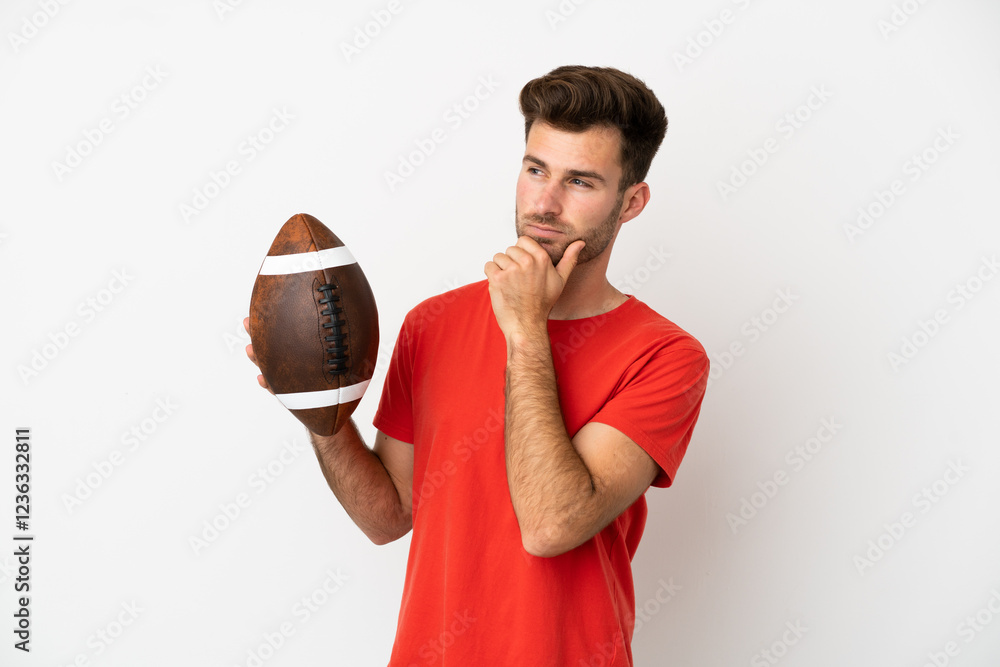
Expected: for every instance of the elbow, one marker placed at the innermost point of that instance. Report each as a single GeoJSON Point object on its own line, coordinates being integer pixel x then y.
{"type": "Point", "coordinates": [383, 538]}
{"type": "Point", "coordinates": [545, 543]}
{"type": "Point", "coordinates": [385, 535]}
{"type": "Point", "coordinates": [543, 550]}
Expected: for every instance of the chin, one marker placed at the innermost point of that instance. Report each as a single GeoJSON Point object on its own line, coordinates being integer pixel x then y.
{"type": "Point", "coordinates": [556, 251]}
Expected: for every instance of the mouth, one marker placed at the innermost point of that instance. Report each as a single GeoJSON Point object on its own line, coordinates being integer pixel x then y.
{"type": "Point", "coordinates": [544, 232]}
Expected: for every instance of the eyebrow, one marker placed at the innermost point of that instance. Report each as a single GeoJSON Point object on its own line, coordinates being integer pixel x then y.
{"type": "Point", "coordinates": [576, 173]}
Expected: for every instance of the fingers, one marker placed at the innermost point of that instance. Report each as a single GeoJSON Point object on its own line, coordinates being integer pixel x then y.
{"type": "Point", "coordinates": [249, 348]}
{"type": "Point", "coordinates": [502, 261]}
{"type": "Point", "coordinates": [516, 254]}
{"type": "Point", "coordinates": [569, 259]}
{"type": "Point", "coordinates": [260, 378]}
{"type": "Point", "coordinates": [253, 357]}
{"type": "Point", "coordinates": [527, 249]}
{"type": "Point", "coordinates": [528, 252]}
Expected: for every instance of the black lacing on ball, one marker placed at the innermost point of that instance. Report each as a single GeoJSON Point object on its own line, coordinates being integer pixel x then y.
{"type": "Point", "coordinates": [335, 350]}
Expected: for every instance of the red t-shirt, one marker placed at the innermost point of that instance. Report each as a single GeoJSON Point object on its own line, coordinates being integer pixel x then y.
{"type": "Point", "coordinates": [473, 597]}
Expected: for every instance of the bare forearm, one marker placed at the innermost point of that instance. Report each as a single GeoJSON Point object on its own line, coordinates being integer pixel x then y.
{"type": "Point", "coordinates": [550, 486]}
{"type": "Point", "coordinates": [362, 484]}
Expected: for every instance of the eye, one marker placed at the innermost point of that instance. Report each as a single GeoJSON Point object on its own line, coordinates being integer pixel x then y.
{"type": "Point", "coordinates": [534, 170]}
{"type": "Point", "coordinates": [577, 181]}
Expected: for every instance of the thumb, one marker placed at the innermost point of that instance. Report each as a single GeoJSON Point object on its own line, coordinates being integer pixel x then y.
{"type": "Point", "coordinates": [569, 258]}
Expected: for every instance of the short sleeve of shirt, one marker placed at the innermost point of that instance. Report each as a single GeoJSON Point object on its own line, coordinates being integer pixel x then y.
{"type": "Point", "coordinates": [394, 415]}
{"type": "Point", "coordinates": [658, 405]}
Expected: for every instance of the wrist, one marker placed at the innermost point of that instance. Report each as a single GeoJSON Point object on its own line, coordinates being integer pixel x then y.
{"type": "Point", "coordinates": [323, 443]}
{"type": "Point", "coordinates": [528, 340]}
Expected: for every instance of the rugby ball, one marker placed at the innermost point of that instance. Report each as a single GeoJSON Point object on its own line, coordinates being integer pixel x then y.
{"type": "Point", "coordinates": [314, 325]}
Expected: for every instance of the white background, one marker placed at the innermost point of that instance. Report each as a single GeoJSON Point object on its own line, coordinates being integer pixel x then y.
{"type": "Point", "coordinates": [827, 551]}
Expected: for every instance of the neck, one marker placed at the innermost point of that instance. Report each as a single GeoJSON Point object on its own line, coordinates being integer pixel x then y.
{"type": "Point", "coordinates": [587, 293]}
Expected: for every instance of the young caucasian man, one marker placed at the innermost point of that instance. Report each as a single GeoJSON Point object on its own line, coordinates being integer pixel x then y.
{"type": "Point", "coordinates": [524, 416]}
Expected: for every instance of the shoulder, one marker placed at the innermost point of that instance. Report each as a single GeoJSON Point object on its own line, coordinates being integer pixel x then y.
{"type": "Point", "coordinates": [655, 330]}
{"type": "Point", "coordinates": [663, 351]}
{"type": "Point", "coordinates": [464, 302]}
{"type": "Point", "coordinates": [453, 299]}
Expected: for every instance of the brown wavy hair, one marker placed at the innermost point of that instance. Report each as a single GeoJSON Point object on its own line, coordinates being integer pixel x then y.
{"type": "Point", "coordinates": [575, 98]}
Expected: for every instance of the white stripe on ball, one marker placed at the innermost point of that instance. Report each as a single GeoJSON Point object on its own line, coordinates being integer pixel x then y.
{"type": "Point", "coordinates": [277, 265]}
{"type": "Point", "coordinates": [307, 400]}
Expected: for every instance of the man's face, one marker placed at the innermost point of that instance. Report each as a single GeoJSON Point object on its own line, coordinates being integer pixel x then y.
{"type": "Point", "coordinates": [568, 189]}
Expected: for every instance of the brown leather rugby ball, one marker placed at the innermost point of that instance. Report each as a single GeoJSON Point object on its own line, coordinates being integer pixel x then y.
{"type": "Point", "coordinates": [314, 325]}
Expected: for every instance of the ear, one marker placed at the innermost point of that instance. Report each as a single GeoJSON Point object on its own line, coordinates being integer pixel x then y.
{"type": "Point", "coordinates": [634, 200]}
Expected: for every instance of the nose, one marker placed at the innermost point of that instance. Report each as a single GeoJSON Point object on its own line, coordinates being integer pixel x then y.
{"type": "Point", "coordinates": [545, 200]}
